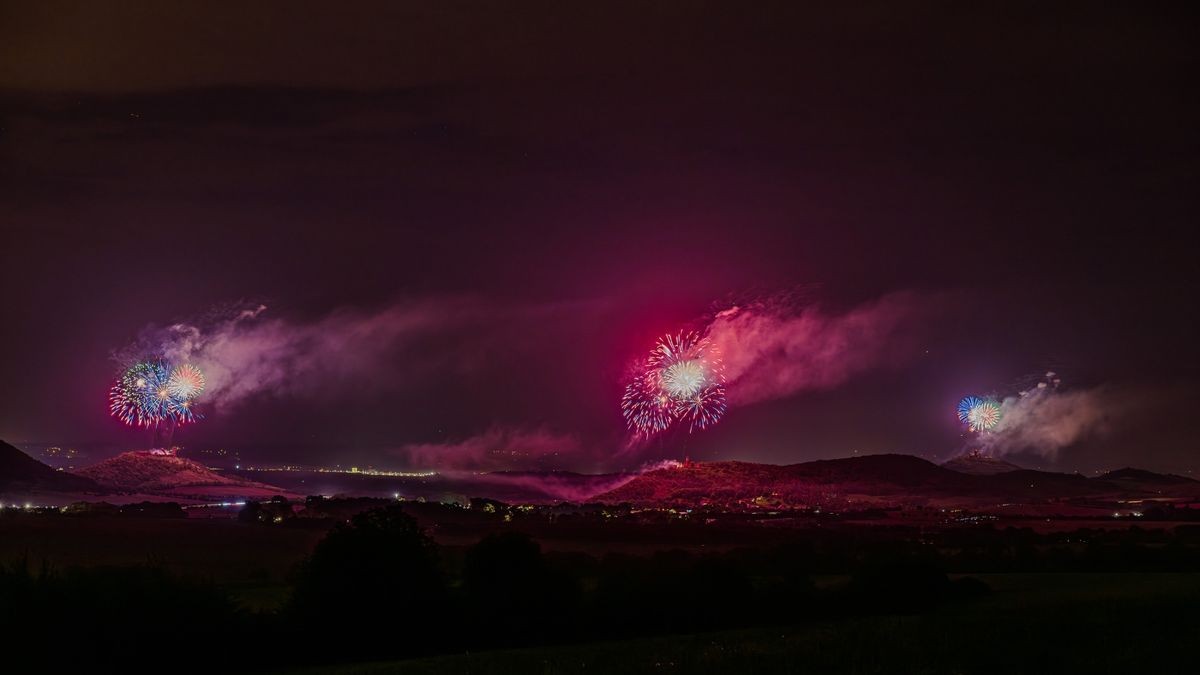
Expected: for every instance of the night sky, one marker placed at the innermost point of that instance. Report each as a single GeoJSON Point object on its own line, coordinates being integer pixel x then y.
{"type": "Point", "coordinates": [515, 199]}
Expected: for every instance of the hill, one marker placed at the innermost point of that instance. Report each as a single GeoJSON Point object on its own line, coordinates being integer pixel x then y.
{"type": "Point", "coordinates": [1167, 484]}
{"type": "Point", "coordinates": [860, 482]}
{"type": "Point", "coordinates": [881, 473]}
{"type": "Point", "coordinates": [19, 471]}
{"type": "Point", "coordinates": [813, 484]}
{"type": "Point", "coordinates": [1131, 475]}
{"type": "Point", "coordinates": [1027, 484]}
{"type": "Point", "coordinates": [979, 464]}
{"type": "Point", "coordinates": [142, 471]}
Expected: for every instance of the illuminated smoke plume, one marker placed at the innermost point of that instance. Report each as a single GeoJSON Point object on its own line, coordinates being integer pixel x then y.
{"type": "Point", "coordinates": [495, 449]}
{"type": "Point", "coordinates": [244, 353]}
{"type": "Point", "coordinates": [519, 458]}
{"type": "Point", "coordinates": [660, 464]}
{"type": "Point", "coordinates": [1044, 420]}
{"type": "Point", "coordinates": [774, 349]}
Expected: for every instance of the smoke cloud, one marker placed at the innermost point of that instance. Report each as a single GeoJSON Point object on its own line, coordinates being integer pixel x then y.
{"type": "Point", "coordinates": [243, 353]}
{"type": "Point", "coordinates": [513, 458]}
{"type": "Point", "coordinates": [773, 349]}
{"type": "Point", "coordinates": [1044, 420]}
{"type": "Point", "coordinates": [496, 449]}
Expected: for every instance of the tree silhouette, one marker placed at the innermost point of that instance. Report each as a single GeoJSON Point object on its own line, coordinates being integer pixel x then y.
{"type": "Point", "coordinates": [376, 576]}
{"type": "Point", "coordinates": [514, 595]}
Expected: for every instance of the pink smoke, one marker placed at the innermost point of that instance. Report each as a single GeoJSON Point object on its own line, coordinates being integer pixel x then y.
{"type": "Point", "coordinates": [774, 349]}
{"type": "Point", "coordinates": [558, 487]}
{"type": "Point", "coordinates": [519, 458]}
{"type": "Point", "coordinates": [243, 353]}
{"type": "Point", "coordinates": [497, 448]}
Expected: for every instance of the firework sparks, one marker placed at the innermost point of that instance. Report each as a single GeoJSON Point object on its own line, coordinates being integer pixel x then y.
{"type": "Point", "coordinates": [646, 407]}
{"type": "Point", "coordinates": [985, 416]}
{"type": "Point", "coordinates": [702, 409]}
{"type": "Point", "coordinates": [979, 414]}
{"type": "Point", "coordinates": [681, 380]}
{"type": "Point", "coordinates": [151, 393]}
{"type": "Point", "coordinates": [186, 383]}
{"type": "Point", "coordinates": [965, 406]}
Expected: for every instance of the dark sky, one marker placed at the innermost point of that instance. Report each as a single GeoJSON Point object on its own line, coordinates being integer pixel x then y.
{"type": "Point", "coordinates": [578, 178]}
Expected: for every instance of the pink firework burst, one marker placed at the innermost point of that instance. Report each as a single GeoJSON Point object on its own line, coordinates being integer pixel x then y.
{"type": "Point", "coordinates": [682, 379]}
{"type": "Point", "coordinates": [186, 382]}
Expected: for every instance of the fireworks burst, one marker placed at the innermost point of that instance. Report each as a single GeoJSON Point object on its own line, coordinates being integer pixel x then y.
{"type": "Point", "coordinates": [681, 380]}
{"type": "Point", "coordinates": [646, 406]}
{"type": "Point", "coordinates": [985, 416]}
{"type": "Point", "coordinates": [979, 414]}
{"type": "Point", "coordinates": [702, 409]}
{"type": "Point", "coordinates": [965, 406]}
{"type": "Point", "coordinates": [151, 393]}
{"type": "Point", "coordinates": [186, 383]}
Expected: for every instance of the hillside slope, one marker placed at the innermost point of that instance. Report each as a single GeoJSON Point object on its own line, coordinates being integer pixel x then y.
{"type": "Point", "coordinates": [875, 480]}
{"type": "Point", "coordinates": [978, 464]}
{"type": "Point", "coordinates": [821, 483]}
{"type": "Point", "coordinates": [19, 471]}
{"type": "Point", "coordinates": [141, 471]}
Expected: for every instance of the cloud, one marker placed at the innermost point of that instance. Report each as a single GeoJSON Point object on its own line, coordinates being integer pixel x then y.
{"type": "Point", "coordinates": [774, 349]}
{"type": "Point", "coordinates": [496, 449]}
{"type": "Point", "coordinates": [259, 107]}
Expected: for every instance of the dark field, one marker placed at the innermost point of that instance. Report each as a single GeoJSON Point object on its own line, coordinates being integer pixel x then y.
{"type": "Point", "coordinates": [520, 590]}
{"type": "Point", "coordinates": [222, 550]}
{"type": "Point", "coordinates": [251, 563]}
{"type": "Point", "coordinates": [1032, 623]}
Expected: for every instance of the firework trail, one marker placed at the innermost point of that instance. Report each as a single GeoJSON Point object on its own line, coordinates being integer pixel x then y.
{"type": "Point", "coordinates": [682, 380]}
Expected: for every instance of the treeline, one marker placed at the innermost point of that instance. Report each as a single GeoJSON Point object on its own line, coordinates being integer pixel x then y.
{"type": "Point", "coordinates": [100, 510]}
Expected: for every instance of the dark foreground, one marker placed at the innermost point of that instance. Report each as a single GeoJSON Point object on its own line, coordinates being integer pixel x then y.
{"type": "Point", "coordinates": [497, 590]}
{"type": "Point", "coordinates": [1033, 623]}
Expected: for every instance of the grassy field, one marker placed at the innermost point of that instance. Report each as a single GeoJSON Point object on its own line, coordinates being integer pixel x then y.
{"type": "Point", "coordinates": [251, 563]}
{"type": "Point", "coordinates": [1032, 623]}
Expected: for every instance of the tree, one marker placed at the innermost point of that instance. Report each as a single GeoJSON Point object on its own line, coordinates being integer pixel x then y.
{"type": "Point", "coordinates": [514, 595]}
{"type": "Point", "coordinates": [377, 574]}
{"type": "Point", "coordinates": [251, 512]}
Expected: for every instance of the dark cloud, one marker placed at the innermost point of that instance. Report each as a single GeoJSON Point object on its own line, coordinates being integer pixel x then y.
{"type": "Point", "coordinates": [257, 107]}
